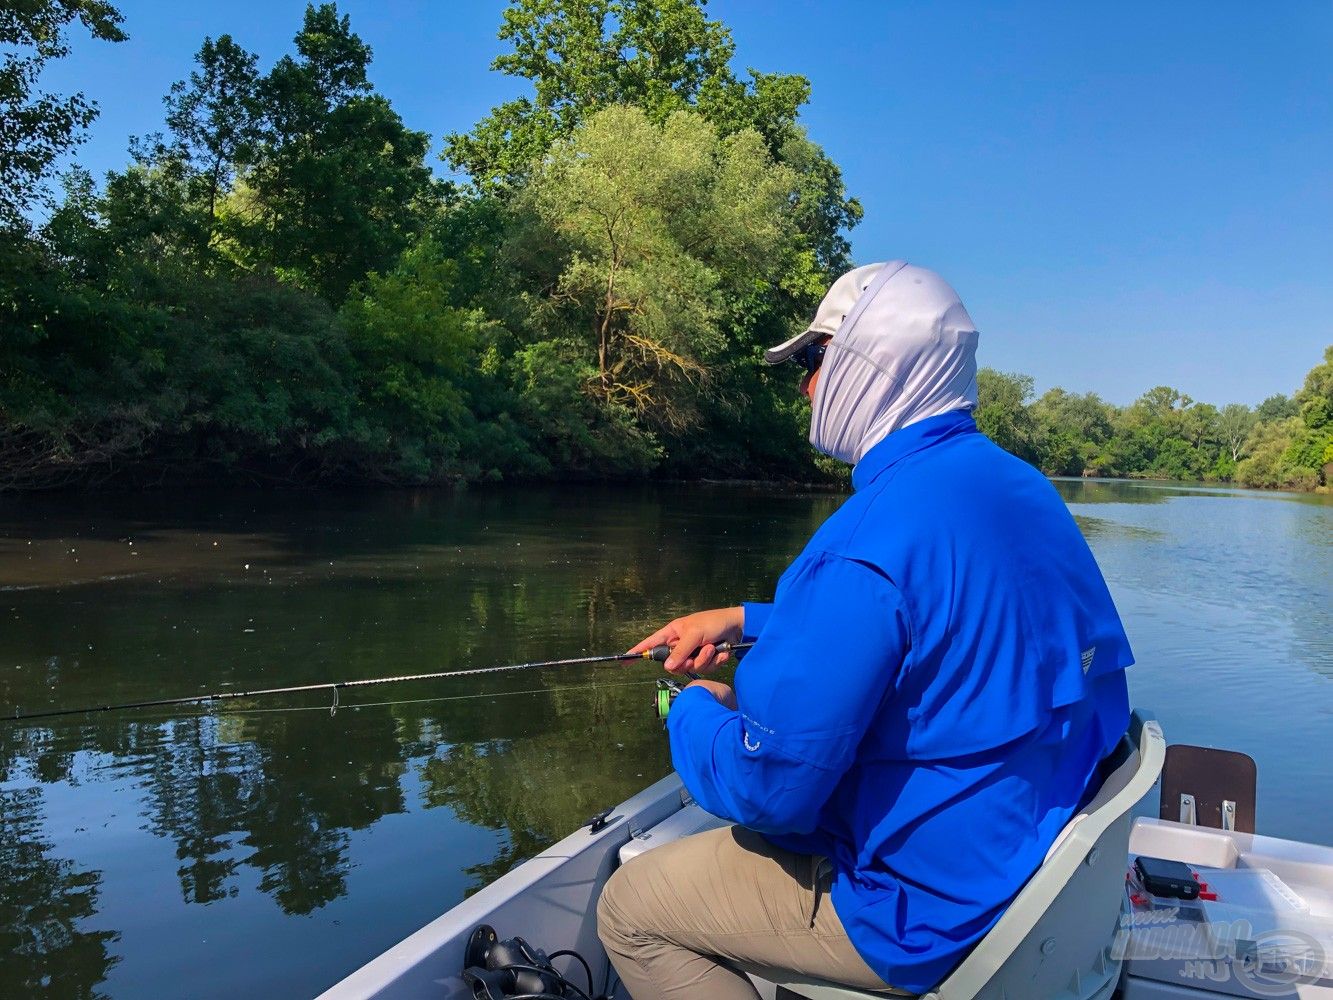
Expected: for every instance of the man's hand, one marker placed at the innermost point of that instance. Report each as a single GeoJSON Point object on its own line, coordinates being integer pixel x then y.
{"type": "Point", "coordinates": [722, 692]}
{"type": "Point", "coordinates": [693, 639]}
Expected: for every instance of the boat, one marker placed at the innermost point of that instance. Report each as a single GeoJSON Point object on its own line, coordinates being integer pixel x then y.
{"type": "Point", "coordinates": [1089, 924]}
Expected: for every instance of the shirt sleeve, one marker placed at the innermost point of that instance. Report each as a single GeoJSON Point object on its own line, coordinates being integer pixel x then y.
{"type": "Point", "coordinates": [831, 653]}
{"type": "Point", "coordinates": [756, 617]}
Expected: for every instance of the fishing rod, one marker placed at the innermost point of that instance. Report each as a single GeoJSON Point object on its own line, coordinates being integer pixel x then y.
{"type": "Point", "coordinates": [657, 653]}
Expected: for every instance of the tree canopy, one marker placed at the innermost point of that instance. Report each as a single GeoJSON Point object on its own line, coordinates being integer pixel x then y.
{"type": "Point", "coordinates": [276, 287]}
{"type": "Point", "coordinates": [37, 127]}
{"type": "Point", "coordinates": [661, 235]}
{"type": "Point", "coordinates": [663, 57]}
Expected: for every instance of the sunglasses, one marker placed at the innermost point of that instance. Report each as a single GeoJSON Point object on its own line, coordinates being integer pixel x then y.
{"type": "Point", "coordinates": [810, 357]}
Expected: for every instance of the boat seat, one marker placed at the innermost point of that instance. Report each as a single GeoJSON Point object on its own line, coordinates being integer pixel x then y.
{"type": "Point", "coordinates": [1055, 939]}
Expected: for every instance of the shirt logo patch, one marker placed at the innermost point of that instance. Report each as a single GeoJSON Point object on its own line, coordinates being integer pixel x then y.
{"type": "Point", "coordinates": [1086, 657]}
{"type": "Point", "coordinates": [745, 737]}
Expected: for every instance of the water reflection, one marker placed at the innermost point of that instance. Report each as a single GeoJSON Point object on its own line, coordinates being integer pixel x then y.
{"type": "Point", "coordinates": [218, 593]}
{"type": "Point", "coordinates": [1109, 491]}
{"type": "Point", "coordinates": [551, 779]}
{"type": "Point", "coordinates": [1152, 491]}
{"type": "Point", "coordinates": [329, 837]}
{"type": "Point", "coordinates": [46, 901]}
{"type": "Point", "coordinates": [262, 791]}
{"type": "Point", "coordinates": [1097, 527]}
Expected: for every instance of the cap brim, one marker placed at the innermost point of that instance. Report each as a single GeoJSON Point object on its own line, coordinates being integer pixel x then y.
{"type": "Point", "coordinates": [783, 352]}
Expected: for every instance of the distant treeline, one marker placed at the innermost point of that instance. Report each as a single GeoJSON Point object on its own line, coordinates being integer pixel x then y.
{"type": "Point", "coordinates": [1283, 442]}
{"type": "Point", "coordinates": [277, 288]}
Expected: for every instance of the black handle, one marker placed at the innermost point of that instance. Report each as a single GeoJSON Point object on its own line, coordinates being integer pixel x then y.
{"type": "Point", "coordinates": [660, 653]}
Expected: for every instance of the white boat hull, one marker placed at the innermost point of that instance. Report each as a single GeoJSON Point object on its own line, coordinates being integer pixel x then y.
{"type": "Point", "coordinates": [549, 900]}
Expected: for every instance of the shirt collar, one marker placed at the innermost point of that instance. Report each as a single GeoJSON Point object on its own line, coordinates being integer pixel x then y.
{"type": "Point", "coordinates": [907, 441]}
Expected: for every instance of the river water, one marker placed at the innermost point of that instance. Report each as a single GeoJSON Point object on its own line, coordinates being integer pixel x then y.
{"type": "Point", "coordinates": [267, 848]}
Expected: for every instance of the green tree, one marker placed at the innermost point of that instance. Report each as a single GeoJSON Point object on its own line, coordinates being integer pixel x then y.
{"type": "Point", "coordinates": [432, 401]}
{"type": "Point", "coordinates": [36, 128]}
{"type": "Point", "coordinates": [1163, 401]}
{"type": "Point", "coordinates": [214, 121]}
{"type": "Point", "coordinates": [660, 232]}
{"type": "Point", "coordinates": [1315, 397]}
{"type": "Point", "coordinates": [1269, 464]}
{"type": "Point", "coordinates": [73, 358]}
{"type": "Point", "coordinates": [1276, 407]}
{"type": "Point", "coordinates": [1164, 435]}
{"type": "Point", "coordinates": [1314, 448]}
{"type": "Point", "coordinates": [663, 56]}
{"type": "Point", "coordinates": [339, 187]}
{"type": "Point", "coordinates": [575, 432]}
{"type": "Point", "coordinates": [1199, 425]}
{"type": "Point", "coordinates": [1002, 413]}
{"type": "Point", "coordinates": [152, 210]}
{"type": "Point", "coordinates": [1071, 432]}
{"type": "Point", "coordinates": [135, 361]}
{"type": "Point", "coordinates": [584, 55]}
{"type": "Point", "coordinates": [1234, 423]}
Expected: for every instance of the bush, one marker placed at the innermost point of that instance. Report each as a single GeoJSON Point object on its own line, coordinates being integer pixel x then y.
{"type": "Point", "coordinates": [574, 430]}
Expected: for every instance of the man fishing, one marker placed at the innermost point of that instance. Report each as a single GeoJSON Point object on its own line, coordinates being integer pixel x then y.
{"type": "Point", "coordinates": [929, 695]}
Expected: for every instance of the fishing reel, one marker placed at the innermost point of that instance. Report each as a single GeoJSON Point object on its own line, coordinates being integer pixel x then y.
{"type": "Point", "coordinates": [498, 970]}
{"type": "Point", "coordinates": [667, 691]}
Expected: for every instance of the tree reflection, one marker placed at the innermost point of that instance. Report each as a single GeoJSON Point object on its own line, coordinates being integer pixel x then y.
{"type": "Point", "coordinates": [44, 901]}
{"type": "Point", "coordinates": [317, 786]}
{"type": "Point", "coordinates": [372, 587]}
{"type": "Point", "coordinates": [287, 786]}
{"type": "Point", "coordinates": [192, 784]}
{"type": "Point", "coordinates": [597, 747]}
{"type": "Point", "coordinates": [1137, 491]}
{"type": "Point", "coordinates": [1098, 527]}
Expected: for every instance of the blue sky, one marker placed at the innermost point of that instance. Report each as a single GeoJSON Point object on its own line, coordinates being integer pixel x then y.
{"type": "Point", "coordinates": [1125, 195]}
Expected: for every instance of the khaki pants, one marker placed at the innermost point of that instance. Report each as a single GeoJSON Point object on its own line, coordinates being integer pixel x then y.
{"type": "Point", "coordinates": [671, 917]}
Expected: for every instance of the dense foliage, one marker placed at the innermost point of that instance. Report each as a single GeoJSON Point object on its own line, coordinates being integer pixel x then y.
{"type": "Point", "coordinates": [1166, 434]}
{"type": "Point", "coordinates": [36, 127]}
{"type": "Point", "coordinates": [277, 288]}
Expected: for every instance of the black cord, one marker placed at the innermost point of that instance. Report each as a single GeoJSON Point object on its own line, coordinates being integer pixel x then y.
{"type": "Point", "coordinates": [550, 972]}
{"type": "Point", "coordinates": [587, 969]}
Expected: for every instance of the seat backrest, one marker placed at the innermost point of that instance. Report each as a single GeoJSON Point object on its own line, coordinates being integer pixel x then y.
{"type": "Point", "coordinates": [1060, 928]}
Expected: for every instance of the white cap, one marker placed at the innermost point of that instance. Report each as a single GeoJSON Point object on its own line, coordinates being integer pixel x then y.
{"type": "Point", "coordinates": [833, 309]}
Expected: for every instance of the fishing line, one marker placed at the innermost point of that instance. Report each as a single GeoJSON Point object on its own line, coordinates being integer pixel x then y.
{"type": "Point", "coordinates": [444, 697]}
{"type": "Point", "coordinates": [657, 653]}
{"type": "Point", "coordinates": [357, 706]}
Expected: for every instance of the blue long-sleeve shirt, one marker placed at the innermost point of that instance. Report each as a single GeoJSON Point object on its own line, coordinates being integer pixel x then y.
{"type": "Point", "coordinates": [929, 695]}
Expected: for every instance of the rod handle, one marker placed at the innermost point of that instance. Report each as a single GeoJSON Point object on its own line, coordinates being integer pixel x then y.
{"type": "Point", "coordinates": [660, 653]}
